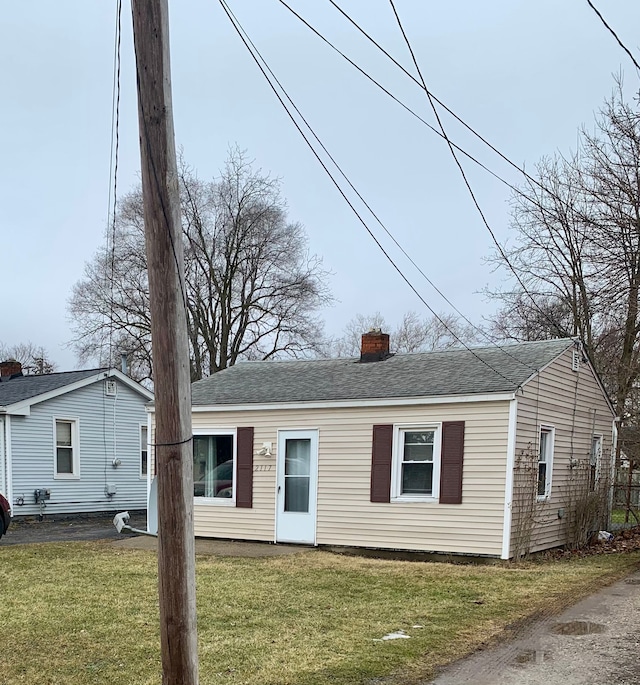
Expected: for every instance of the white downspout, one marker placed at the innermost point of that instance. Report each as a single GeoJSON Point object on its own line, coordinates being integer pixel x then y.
{"type": "Point", "coordinates": [508, 487]}
{"type": "Point", "coordinates": [150, 456]}
{"type": "Point", "coordinates": [612, 468]}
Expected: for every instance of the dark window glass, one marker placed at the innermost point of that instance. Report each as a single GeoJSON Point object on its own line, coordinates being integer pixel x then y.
{"type": "Point", "coordinates": [213, 466]}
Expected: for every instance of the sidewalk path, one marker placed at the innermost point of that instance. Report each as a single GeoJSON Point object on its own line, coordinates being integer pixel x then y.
{"type": "Point", "coordinates": [595, 642]}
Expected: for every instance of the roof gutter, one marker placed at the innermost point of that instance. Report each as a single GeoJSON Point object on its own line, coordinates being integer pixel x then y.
{"type": "Point", "coordinates": [355, 403]}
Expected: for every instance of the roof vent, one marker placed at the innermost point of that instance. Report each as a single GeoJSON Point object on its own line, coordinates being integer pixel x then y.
{"type": "Point", "coordinates": [575, 361]}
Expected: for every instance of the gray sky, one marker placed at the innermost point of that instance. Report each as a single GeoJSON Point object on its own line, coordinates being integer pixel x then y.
{"type": "Point", "coordinates": [526, 75]}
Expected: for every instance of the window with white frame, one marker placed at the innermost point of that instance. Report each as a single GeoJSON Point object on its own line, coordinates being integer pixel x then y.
{"type": "Point", "coordinates": [594, 461]}
{"type": "Point", "coordinates": [545, 461]}
{"type": "Point", "coordinates": [417, 462]}
{"type": "Point", "coordinates": [214, 465]}
{"type": "Point", "coordinates": [144, 452]}
{"type": "Point", "coordinates": [66, 454]}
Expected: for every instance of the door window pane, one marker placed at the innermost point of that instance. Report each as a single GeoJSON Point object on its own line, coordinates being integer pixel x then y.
{"type": "Point", "coordinates": [297, 457]}
{"type": "Point", "coordinates": [296, 494]}
{"type": "Point", "coordinates": [297, 478]}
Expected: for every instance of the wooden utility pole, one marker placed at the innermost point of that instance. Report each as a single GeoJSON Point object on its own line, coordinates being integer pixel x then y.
{"type": "Point", "coordinates": [176, 555]}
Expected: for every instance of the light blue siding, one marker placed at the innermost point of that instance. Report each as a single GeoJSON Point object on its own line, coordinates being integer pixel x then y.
{"type": "Point", "coordinates": [108, 429]}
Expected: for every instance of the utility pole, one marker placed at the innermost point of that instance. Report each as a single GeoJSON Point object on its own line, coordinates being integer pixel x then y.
{"type": "Point", "coordinates": [172, 383]}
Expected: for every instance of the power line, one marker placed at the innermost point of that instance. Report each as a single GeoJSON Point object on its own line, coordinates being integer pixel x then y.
{"type": "Point", "coordinates": [251, 48]}
{"type": "Point", "coordinates": [405, 106]}
{"type": "Point", "coordinates": [615, 35]}
{"type": "Point", "coordinates": [491, 339]}
{"type": "Point", "coordinates": [113, 169]}
{"type": "Point", "coordinates": [462, 171]}
{"type": "Point", "coordinates": [515, 189]}
{"type": "Point", "coordinates": [422, 86]}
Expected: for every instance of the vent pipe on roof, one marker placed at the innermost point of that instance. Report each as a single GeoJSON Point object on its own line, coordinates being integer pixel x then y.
{"type": "Point", "coordinates": [375, 346]}
{"type": "Point", "coordinates": [123, 363]}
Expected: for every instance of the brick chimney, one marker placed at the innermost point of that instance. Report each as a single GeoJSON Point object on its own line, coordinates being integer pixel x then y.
{"type": "Point", "coordinates": [10, 368]}
{"type": "Point", "coordinates": [375, 346]}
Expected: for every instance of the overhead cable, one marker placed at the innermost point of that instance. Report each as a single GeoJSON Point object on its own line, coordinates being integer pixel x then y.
{"type": "Point", "coordinates": [615, 35]}
{"type": "Point", "coordinates": [260, 61]}
{"type": "Point", "coordinates": [501, 251]}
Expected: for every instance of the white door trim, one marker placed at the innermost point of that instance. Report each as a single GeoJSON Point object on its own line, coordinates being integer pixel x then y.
{"type": "Point", "coordinates": [307, 522]}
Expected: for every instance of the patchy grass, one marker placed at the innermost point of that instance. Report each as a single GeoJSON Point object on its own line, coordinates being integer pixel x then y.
{"type": "Point", "coordinates": [619, 516]}
{"type": "Point", "coordinates": [82, 613]}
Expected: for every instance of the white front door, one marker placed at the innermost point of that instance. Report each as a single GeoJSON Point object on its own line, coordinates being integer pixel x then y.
{"type": "Point", "coordinates": [297, 486]}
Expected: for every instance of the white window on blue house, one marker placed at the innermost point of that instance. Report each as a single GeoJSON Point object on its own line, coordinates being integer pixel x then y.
{"type": "Point", "coordinates": [67, 457]}
{"type": "Point", "coordinates": [144, 453]}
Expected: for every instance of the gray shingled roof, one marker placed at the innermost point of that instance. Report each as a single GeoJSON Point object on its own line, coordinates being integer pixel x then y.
{"type": "Point", "coordinates": [24, 388]}
{"type": "Point", "coordinates": [429, 374]}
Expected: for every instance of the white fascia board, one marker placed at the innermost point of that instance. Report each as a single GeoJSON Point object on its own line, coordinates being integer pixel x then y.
{"type": "Point", "coordinates": [18, 409]}
{"type": "Point", "coordinates": [339, 404]}
{"type": "Point", "coordinates": [508, 489]}
{"type": "Point", "coordinates": [589, 364]}
{"type": "Point", "coordinates": [23, 408]}
{"type": "Point", "coordinates": [134, 385]}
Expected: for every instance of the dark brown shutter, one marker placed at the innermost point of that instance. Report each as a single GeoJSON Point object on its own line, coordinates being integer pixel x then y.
{"type": "Point", "coordinates": [381, 463]}
{"type": "Point", "coordinates": [451, 462]}
{"type": "Point", "coordinates": [244, 463]}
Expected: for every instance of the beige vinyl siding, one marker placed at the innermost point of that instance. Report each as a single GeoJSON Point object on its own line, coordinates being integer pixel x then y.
{"type": "Point", "coordinates": [345, 514]}
{"type": "Point", "coordinates": [575, 405]}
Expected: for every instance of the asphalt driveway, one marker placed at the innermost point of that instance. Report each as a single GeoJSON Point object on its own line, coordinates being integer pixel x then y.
{"type": "Point", "coordinates": [29, 531]}
{"type": "Point", "coordinates": [595, 642]}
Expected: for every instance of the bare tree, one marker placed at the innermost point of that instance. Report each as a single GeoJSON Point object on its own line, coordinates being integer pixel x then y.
{"type": "Point", "coordinates": [412, 334]}
{"type": "Point", "coordinates": [577, 250]}
{"type": "Point", "coordinates": [34, 359]}
{"type": "Point", "coordinates": [252, 288]}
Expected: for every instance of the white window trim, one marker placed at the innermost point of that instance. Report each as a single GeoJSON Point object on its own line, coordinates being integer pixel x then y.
{"type": "Point", "coordinates": [396, 461]}
{"type": "Point", "coordinates": [143, 476]}
{"type": "Point", "coordinates": [221, 501]}
{"type": "Point", "coordinates": [600, 437]}
{"type": "Point", "coordinates": [551, 430]}
{"type": "Point", "coordinates": [75, 448]}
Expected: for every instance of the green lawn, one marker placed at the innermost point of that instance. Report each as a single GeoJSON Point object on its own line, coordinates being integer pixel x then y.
{"type": "Point", "coordinates": [619, 515]}
{"type": "Point", "coordinates": [80, 613]}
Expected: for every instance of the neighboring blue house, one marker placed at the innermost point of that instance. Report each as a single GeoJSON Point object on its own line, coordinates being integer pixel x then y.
{"type": "Point", "coordinates": [72, 442]}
